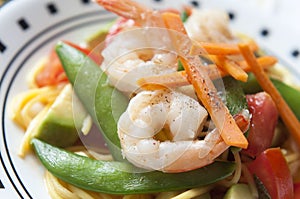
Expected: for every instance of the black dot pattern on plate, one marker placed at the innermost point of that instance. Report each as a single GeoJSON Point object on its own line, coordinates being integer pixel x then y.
{"type": "Point", "coordinates": [231, 15]}
{"type": "Point", "coordinates": [1, 185]}
{"type": "Point", "coordinates": [2, 47]}
{"type": "Point", "coordinates": [23, 24]}
{"type": "Point", "coordinates": [265, 32]}
{"type": "Point", "coordinates": [195, 4]}
{"type": "Point", "coordinates": [52, 8]}
{"type": "Point", "coordinates": [85, 1]}
{"type": "Point", "coordinates": [295, 53]}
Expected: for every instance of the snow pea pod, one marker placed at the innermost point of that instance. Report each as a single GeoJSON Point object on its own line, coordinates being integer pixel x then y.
{"type": "Point", "coordinates": [233, 95]}
{"type": "Point", "coordinates": [103, 102]}
{"type": "Point", "coordinates": [120, 177]}
{"type": "Point", "coordinates": [290, 94]}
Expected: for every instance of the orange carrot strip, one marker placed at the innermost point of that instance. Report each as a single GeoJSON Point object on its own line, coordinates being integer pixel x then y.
{"type": "Point", "coordinates": [177, 79]}
{"type": "Point", "coordinates": [231, 68]}
{"type": "Point", "coordinates": [200, 48]}
{"type": "Point", "coordinates": [172, 80]}
{"type": "Point", "coordinates": [285, 112]}
{"type": "Point", "coordinates": [219, 113]}
{"type": "Point", "coordinates": [265, 62]}
{"type": "Point", "coordinates": [205, 89]}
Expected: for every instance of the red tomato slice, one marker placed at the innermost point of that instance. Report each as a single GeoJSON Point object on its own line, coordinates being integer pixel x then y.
{"type": "Point", "coordinates": [50, 72]}
{"type": "Point", "coordinates": [53, 72]}
{"type": "Point", "coordinates": [272, 169]}
{"type": "Point", "coordinates": [297, 190]}
{"type": "Point", "coordinates": [263, 123]}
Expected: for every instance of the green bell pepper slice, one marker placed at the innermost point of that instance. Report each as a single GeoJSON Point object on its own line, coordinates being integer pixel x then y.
{"type": "Point", "coordinates": [289, 94]}
{"type": "Point", "coordinates": [120, 177]}
{"type": "Point", "coordinates": [92, 88]}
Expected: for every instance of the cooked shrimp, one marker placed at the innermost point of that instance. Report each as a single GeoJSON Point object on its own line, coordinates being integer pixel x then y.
{"type": "Point", "coordinates": [209, 26]}
{"type": "Point", "coordinates": [132, 55]}
{"type": "Point", "coordinates": [180, 118]}
{"type": "Point", "coordinates": [128, 9]}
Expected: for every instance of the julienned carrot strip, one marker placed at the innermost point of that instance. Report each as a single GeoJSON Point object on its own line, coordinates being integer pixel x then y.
{"type": "Point", "coordinates": [286, 113]}
{"type": "Point", "coordinates": [200, 48]}
{"type": "Point", "coordinates": [219, 113]}
{"type": "Point", "coordinates": [231, 68]}
{"type": "Point", "coordinates": [173, 80]}
{"type": "Point", "coordinates": [178, 79]}
{"type": "Point", "coordinates": [205, 89]}
{"type": "Point", "coordinates": [265, 62]}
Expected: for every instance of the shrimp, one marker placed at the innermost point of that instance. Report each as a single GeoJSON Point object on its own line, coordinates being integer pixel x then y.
{"type": "Point", "coordinates": [132, 55]}
{"type": "Point", "coordinates": [128, 9]}
{"type": "Point", "coordinates": [180, 118]}
{"type": "Point", "coordinates": [160, 128]}
{"type": "Point", "coordinates": [209, 26]}
{"type": "Point", "coordinates": [201, 26]}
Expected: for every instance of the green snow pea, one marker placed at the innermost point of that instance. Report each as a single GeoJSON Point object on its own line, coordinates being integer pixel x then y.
{"type": "Point", "coordinates": [103, 102]}
{"type": "Point", "coordinates": [120, 177]}
{"type": "Point", "coordinates": [290, 94]}
{"type": "Point", "coordinates": [234, 97]}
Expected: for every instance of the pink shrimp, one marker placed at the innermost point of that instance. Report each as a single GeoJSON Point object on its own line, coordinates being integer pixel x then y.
{"type": "Point", "coordinates": [128, 9]}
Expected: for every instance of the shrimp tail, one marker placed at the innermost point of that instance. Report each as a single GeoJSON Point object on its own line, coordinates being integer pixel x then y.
{"type": "Point", "coordinates": [125, 8]}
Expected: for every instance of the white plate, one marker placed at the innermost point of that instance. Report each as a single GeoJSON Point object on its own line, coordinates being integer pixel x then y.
{"type": "Point", "coordinates": [29, 29]}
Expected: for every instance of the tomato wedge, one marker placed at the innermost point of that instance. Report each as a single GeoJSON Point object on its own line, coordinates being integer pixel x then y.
{"type": "Point", "coordinates": [263, 123]}
{"type": "Point", "coordinates": [53, 72]}
{"type": "Point", "coordinates": [297, 190]}
{"type": "Point", "coordinates": [273, 171]}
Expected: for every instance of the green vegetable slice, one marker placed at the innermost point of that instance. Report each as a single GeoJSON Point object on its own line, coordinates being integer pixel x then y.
{"type": "Point", "coordinates": [235, 98]}
{"type": "Point", "coordinates": [122, 178]}
{"type": "Point", "coordinates": [103, 102]}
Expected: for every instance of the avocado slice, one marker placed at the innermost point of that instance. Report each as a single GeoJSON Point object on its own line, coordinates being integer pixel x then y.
{"type": "Point", "coordinates": [55, 123]}
{"type": "Point", "coordinates": [238, 191]}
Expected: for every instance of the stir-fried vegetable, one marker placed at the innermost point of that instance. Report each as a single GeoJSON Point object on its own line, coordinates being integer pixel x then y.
{"type": "Point", "coordinates": [123, 178]}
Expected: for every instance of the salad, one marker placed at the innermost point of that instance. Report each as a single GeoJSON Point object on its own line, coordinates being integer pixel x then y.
{"type": "Point", "coordinates": [186, 109]}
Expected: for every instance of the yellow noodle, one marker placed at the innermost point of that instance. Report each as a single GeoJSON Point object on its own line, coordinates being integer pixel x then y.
{"type": "Point", "coordinates": [21, 104]}
{"type": "Point", "coordinates": [169, 194]}
{"type": "Point", "coordinates": [31, 78]}
{"type": "Point", "coordinates": [194, 192]}
{"type": "Point", "coordinates": [292, 157]}
{"type": "Point", "coordinates": [58, 188]}
{"type": "Point", "coordinates": [238, 170]}
{"type": "Point", "coordinates": [250, 181]}
{"type": "Point", "coordinates": [50, 186]}
{"type": "Point", "coordinates": [25, 144]}
{"type": "Point", "coordinates": [81, 193]}
{"type": "Point", "coordinates": [138, 196]}
{"type": "Point", "coordinates": [237, 174]}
